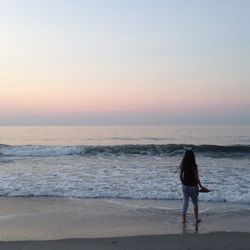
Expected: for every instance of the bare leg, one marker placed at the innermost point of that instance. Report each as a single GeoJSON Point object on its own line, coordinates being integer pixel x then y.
{"type": "Point", "coordinates": [196, 215]}
{"type": "Point", "coordinates": [184, 218]}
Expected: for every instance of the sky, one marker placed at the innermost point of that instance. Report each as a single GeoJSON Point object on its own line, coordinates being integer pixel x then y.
{"type": "Point", "coordinates": [115, 62]}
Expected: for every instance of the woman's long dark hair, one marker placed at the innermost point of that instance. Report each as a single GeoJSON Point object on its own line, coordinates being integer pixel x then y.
{"type": "Point", "coordinates": [188, 161]}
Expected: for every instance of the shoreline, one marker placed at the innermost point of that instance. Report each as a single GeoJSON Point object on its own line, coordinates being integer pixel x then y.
{"type": "Point", "coordinates": [39, 218]}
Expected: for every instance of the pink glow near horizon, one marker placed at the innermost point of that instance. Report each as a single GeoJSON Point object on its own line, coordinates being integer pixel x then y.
{"type": "Point", "coordinates": [138, 59]}
{"type": "Point", "coordinates": [53, 101]}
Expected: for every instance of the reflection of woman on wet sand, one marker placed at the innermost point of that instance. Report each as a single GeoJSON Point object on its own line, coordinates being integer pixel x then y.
{"type": "Point", "coordinates": [190, 182]}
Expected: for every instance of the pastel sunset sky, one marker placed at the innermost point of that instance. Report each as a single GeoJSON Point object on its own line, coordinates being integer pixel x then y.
{"type": "Point", "coordinates": [124, 62]}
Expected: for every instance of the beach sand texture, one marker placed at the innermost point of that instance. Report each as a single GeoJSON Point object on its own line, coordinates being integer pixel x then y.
{"type": "Point", "coordinates": [66, 223]}
{"type": "Point", "coordinates": [215, 241]}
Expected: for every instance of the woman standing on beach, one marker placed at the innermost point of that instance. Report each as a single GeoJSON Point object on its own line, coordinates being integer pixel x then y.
{"type": "Point", "coordinates": [190, 182]}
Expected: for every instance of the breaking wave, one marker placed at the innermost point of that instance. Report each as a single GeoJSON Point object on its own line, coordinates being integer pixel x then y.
{"type": "Point", "coordinates": [149, 149]}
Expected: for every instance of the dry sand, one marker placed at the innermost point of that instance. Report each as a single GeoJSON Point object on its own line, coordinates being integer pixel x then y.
{"type": "Point", "coordinates": [211, 241]}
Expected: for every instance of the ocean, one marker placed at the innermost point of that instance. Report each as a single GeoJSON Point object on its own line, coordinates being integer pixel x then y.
{"type": "Point", "coordinates": [131, 162]}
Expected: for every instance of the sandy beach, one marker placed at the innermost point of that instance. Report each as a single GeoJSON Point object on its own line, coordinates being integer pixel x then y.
{"type": "Point", "coordinates": [234, 241]}
{"type": "Point", "coordinates": [66, 223]}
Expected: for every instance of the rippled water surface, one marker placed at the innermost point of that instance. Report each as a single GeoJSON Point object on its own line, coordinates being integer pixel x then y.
{"type": "Point", "coordinates": [123, 162]}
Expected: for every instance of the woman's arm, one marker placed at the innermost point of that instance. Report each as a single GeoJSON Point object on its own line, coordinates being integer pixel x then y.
{"type": "Point", "coordinates": [196, 176]}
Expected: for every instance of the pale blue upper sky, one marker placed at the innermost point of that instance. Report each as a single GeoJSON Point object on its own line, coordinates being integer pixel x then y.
{"type": "Point", "coordinates": [124, 62]}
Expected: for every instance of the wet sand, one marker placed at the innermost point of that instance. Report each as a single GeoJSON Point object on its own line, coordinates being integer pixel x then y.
{"type": "Point", "coordinates": [65, 223]}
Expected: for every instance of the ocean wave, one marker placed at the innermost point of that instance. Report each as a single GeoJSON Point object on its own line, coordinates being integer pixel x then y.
{"type": "Point", "coordinates": [149, 149]}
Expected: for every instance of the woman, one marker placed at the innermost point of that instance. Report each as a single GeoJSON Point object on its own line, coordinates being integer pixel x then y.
{"type": "Point", "coordinates": [190, 182]}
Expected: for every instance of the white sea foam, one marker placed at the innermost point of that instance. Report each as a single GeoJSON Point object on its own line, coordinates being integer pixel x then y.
{"type": "Point", "coordinates": [143, 166]}
{"type": "Point", "coordinates": [111, 176]}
